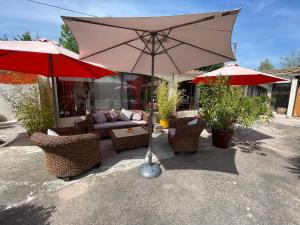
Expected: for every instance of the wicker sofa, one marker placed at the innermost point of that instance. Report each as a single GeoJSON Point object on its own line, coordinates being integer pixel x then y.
{"type": "Point", "coordinates": [90, 126]}
{"type": "Point", "coordinates": [69, 155]}
{"type": "Point", "coordinates": [183, 137]}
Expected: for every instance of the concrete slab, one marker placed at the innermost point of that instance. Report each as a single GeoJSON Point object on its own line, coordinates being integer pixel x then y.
{"type": "Point", "coordinates": [249, 183]}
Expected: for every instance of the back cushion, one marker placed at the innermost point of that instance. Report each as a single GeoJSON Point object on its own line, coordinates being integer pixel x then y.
{"type": "Point", "coordinates": [137, 116]}
{"type": "Point", "coordinates": [126, 115]}
{"type": "Point", "coordinates": [113, 116]}
{"type": "Point", "coordinates": [52, 133]}
{"type": "Point", "coordinates": [99, 117]}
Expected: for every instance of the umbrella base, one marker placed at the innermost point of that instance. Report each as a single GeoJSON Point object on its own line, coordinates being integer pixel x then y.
{"type": "Point", "coordinates": [150, 170]}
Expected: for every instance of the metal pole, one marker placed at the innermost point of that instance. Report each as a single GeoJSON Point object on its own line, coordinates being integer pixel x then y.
{"type": "Point", "coordinates": [151, 100]}
{"type": "Point", "coordinates": [53, 89]}
{"type": "Point", "coordinates": [150, 169]}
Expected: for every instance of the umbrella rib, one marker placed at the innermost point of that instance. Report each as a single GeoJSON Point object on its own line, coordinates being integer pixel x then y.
{"type": "Point", "coordinates": [163, 40]}
{"type": "Point", "coordinates": [200, 20]}
{"type": "Point", "coordinates": [141, 50]}
{"type": "Point", "coordinates": [115, 46]}
{"type": "Point", "coordinates": [168, 55]}
{"type": "Point", "coordinates": [141, 38]}
{"type": "Point", "coordinates": [101, 24]}
{"type": "Point", "coordinates": [164, 51]}
{"type": "Point", "coordinates": [140, 56]}
{"type": "Point", "coordinates": [203, 49]}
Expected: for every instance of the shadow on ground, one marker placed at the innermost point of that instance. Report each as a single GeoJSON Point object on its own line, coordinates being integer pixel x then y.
{"type": "Point", "coordinates": [26, 214]}
{"type": "Point", "coordinates": [208, 158]}
{"type": "Point", "coordinates": [249, 140]}
{"type": "Point", "coordinates": [22, 139]}
{"type": "Point", "coordinates": [295, 165]}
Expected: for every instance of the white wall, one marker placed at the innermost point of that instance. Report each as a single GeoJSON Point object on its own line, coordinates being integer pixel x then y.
{"type": "Point", "coordinates": [293, 92]}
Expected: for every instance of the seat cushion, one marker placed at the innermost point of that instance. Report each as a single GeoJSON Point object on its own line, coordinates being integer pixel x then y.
{"type": "Point", "coordinates": [119, 124]}
{"type": "Point", "coordinates": [172, 131]}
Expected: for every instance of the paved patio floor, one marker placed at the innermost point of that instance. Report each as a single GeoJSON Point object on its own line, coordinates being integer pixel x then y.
{"type": "Point", "coordinates": [256, 181]}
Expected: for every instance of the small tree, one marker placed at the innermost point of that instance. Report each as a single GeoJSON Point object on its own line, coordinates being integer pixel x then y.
{"type": "Point", "coordinates": [4, 38]}
{"type": "Point", "coordinates": [292, 60]}
{"type": "Point", "coordinates": [167, 103]}
{"type": "Point", "coordinates": [265, 64]}
{"type": "Point", "coordinates": [26, 36]}
{"type": "Point", "coordinates": [211, 67]}
{"type": "Point", "coordinates": [67, 39]}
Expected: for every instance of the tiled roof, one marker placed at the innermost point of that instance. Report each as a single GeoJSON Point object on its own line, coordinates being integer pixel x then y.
{"type": "Point", "coordinates": [285, 73]}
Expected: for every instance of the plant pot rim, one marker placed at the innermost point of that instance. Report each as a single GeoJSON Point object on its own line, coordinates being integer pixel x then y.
{"type": "Point", "coordinates": [223, 132]}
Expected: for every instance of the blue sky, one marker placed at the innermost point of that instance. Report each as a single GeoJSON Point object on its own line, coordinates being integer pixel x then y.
{"type": "Point", "coordinates": [264, 28]}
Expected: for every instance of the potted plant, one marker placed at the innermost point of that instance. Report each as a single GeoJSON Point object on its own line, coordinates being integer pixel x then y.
{"type": "Point", "coordinates": [225, 107]}
{"type": "Point", "coordinates": [166, 103]}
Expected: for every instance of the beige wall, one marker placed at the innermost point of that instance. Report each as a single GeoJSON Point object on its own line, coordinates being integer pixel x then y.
{"type": "Point", "coordinates": [6, 110]}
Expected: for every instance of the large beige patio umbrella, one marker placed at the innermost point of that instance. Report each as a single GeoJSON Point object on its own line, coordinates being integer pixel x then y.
{"type": "Point", "coordinates": [166, 44]}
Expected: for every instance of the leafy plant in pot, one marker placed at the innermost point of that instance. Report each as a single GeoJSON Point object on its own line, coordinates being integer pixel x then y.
{"type": "Point", "coordinates": [166, 102]}
{"type": "Point", "coordinates": [225, 107]}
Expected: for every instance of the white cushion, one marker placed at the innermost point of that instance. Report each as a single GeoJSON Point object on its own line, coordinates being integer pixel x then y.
{"type": "Point", "coordinates": [99, 117]}
{"type": "Point", "coordinates": [52, 133]}
{"type": "Point", "coordinates": [172, 131]}
{"type": "Point", "coordinates": [137, 116]}
{"type": "Point", "coordinates": [126, 115]}
{"type": "Point", "coordinates": [193, 122]}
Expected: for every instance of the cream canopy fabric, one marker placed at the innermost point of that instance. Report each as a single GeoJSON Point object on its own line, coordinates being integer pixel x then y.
{"type": "Point", "coordinates": [181, 43]}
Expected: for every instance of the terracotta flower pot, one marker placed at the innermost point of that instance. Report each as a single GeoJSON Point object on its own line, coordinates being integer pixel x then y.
{"type": "Point", "coordinates": [164, 123]}
{"type": "Point", "coordinates": [221, 139]}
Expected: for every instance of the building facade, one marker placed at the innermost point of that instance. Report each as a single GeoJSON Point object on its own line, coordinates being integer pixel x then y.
{"type": "Point", "coordinates": [286, 95]}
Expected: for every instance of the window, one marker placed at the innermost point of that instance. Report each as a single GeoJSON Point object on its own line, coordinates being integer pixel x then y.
{"type": "Point", "coordinates": [72, 97]}
{"type": "Point", "coordinates": [107, 93]}
{"type": "Point", "coordinates": [77, 96]}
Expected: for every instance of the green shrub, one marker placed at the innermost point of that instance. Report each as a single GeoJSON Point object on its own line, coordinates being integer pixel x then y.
{"type": "Point", "coordinates": [167, 103]}
{"type": "Point", "coordinates": [224, 106]}
{"type": "Point", "coordinates": [32, 105]}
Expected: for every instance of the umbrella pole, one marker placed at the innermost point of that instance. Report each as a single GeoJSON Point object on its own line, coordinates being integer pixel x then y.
{"type": "Point", "coordinates": [51, 74]}
{"type": "Point", "coordinates": [150, 169]}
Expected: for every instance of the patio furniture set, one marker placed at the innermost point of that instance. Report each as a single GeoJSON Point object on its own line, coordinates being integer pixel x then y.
{"type": "Point", "coordinates": [72, 150]}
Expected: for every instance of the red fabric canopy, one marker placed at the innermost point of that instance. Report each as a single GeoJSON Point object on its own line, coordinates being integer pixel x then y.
{"type": "Point", "coordinates": [238, 76]}
{"type": "Point", "coordinates": [46, 58]}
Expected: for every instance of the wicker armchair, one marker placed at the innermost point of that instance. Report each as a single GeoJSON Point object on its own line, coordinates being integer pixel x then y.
{"type": "Point", "coordinates": [68, 156]}
{"type": "Point", "coordinates": [183, 137]}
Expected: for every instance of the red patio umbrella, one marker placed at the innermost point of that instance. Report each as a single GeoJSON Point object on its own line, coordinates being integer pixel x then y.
{"type": "Point", "coordinates": [238, 76]}
{"type": "Point", "coordinates": [47, 58]}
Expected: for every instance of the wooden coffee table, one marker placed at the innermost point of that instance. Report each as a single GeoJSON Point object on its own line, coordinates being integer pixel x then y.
{"type": "Point", "coordinates": [123, 139]}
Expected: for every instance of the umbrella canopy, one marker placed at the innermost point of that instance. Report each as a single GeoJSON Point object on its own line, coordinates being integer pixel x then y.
{"type": "Point", "coordinates": [46, 58]}
{"type": "Point", "coordinates": [238, 76]}
{"type": "Point", "coordinates": [182, 43]}
{"type": "Point", "coordinates": [167, 44]}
